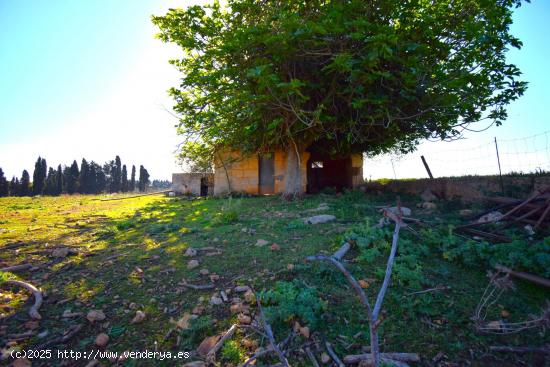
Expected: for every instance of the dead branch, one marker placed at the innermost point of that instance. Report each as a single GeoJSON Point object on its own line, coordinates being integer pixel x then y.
{"type": "Point", "coordinates": [311, 357]}
{"type": "Point", "coordinates": [17, 267]}
{"type": "Point", "coordinates": [521, 350]}
{"type": "Point", "coordinates": [435, 289]}
{"type": "Point", "coordinates": [525, 276]}
{"type": "Point", "coordinates": [198, 286]}
{"type": "Point", "coordinates": [333, 354]}
{"type": "Point", "coordinates": [269, 333]}
{"type": "Point", "coordinates": [33, 311]}
{"type": "Point", "coordinates": [400, 357]}
{"type": "Point", "coordinates": [338, 255]}
{"type": "Point", "coordinates": [69, 334]}
{"type": "Point", "coordinates": [211, 356]}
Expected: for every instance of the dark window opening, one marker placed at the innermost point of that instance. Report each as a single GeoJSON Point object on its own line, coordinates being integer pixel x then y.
{"type": "Point", "coordinates": [324, 172]}
{"type": "Point", "coordinates": [204, 186]}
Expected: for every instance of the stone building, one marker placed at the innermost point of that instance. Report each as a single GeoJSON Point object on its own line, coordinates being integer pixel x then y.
{"type": "Point", "coordinates": [265, 174]}
{"type": "Point", "coordinates": [196, 184]}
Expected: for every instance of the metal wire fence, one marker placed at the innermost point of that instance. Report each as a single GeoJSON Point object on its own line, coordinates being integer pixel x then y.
{"type": "Point", "coordinates": [530, 154]}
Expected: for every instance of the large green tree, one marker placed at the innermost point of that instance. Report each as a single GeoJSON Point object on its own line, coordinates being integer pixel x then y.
{"type": "Point", "coordinates": [39, 176]}
{"type": "Point", "coordinates": [25, 184]}
{"type": "Point", "coordinates": [4, 185]}
{"type": "Point", "coordinates": [338, 76]}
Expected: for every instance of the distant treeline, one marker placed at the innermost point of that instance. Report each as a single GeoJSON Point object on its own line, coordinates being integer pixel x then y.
{"type": "Point", "coordinates": [90, 178]}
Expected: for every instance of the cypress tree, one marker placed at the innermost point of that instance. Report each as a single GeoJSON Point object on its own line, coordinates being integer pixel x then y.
{"type": "Point", "coordinates": [25, 184]}
{"type": "Point", "coordinates": [59, 174]}
{"type": "Point", "coordinates": [100, 179]}
{"type": "Point", "coordinates": [143, 178]}
{"type": "Point", "coordinates": [132, 186]}
{"type": "Point", "coordinates": [39, 176]}
{"type": "Point", "coordinates": [4, 187]}
{"type": "Point", "coordinates": [124, 180]}
{"type": "Point", "coordinates": [117, 174]}
{"type": "Point", "coordinates": [72, 178]}
{"type": "Point", "coordinates": [51, 182]}
{"type": "Point", "coordinates": [14, 186]}
{"type": "Point", "coordinates": [84, 178]}
{"type": "Point", "coordinates": [109, 169]}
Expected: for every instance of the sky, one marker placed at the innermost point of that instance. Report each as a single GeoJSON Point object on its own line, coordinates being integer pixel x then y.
{"type": "Point", "coordinates": [88, 79]}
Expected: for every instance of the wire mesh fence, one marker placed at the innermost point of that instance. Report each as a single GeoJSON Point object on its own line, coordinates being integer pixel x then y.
{"type": "Point", "coordinates": [530, 154]}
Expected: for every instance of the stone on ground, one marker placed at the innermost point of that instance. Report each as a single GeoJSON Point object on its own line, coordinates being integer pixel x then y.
{"type": "Point", "coordinates": [318, 219]}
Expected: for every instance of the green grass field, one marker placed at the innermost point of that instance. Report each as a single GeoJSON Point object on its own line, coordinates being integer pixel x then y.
{"type": "Point", "coordinates": [129, 255]}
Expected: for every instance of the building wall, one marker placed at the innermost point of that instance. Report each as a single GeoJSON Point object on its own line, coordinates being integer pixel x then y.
{"type": "Point", "coordinates": [357, 170]}
{"type": "Point", "coordinates": [244, 173]}
{"type": "Point", "coordinates": [190, 183]}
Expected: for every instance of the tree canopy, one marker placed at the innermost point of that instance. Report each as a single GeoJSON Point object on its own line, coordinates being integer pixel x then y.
{"type": "Point", "coordinates": [340, 76]}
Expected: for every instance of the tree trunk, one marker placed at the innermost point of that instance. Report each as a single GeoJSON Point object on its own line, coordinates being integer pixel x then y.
{"type": "Point", "coordinates": [293, 176]}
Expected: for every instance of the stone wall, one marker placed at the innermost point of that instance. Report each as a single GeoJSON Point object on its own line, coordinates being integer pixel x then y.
{"type": "Point", "coordinates": [190, 183]}
{"type": "Point", "coordinates": [468, 189]}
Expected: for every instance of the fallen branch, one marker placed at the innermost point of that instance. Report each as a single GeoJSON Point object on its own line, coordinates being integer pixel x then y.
{"type": "Point", "coordinates": [17, 267]}
{"type": "Point", "coordinates": [400, 357]}
{"type": "Point", "coordinates": [525, 276]}
{"type": "Point", "coordinates": [520, 350]}
{"type": "Point", "coordinates": [269, 333]}
{"type": "Point", "coordinates": [435, 289]}
{"type": "Point", "coordinates": [333, 354]}
{"type": "Point", "coordinates": [338, 255]}
{"type": "Point", "coordinates": [211, 356]}
{"type": "Point", "coordinates": [33, 311]}
{"type": "Point", "coordinates": [69, 334]}
{"type": "Point", "coordinates": [311, 357]}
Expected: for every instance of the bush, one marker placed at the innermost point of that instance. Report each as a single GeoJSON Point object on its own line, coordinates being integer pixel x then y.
{"type": "Point", "coordinates": [290, 301]}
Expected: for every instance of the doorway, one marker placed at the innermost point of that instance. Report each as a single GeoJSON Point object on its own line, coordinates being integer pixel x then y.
{"type": "Point", "coordinates": [266, 164]}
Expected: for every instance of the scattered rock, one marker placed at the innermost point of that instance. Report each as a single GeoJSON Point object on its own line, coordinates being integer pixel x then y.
{"type": "Point", "coordinates": [198, 310]}
{"type": "Point", "coordinates": [236, 308]}
{"type": "Point", "coordinates": [261, 243]}
{"type": "Point", "coordinates": [428, 195]}
{"type": "Point", "coordinates": [363, 283]}
{"type": "Point", "coordinates": [317, 219]}
{"type": "Point", "coordinates": [495, 325]}
{"type": "Point", "coordinates": [60, 252]}
{"type": "Point", "coordinates": [325, 358]}
{"type": "Point", "coordinates": [465, 213]}
{"type": "Point", "coordinates": [275, 247]}
{"type": "Point", "coordinates": [290, 267]}
{"type": "Point", "coordinates": [249, 296]}
{"type": "Point", "coordinates": [207, 344]}
{"type": "Point", "coordinates": [529, 229]}
{"type": "Point", "coordinates": [216, 301]}
{"type": "Point", "coordinates": [191, 252]}
{"type": "Point", "coordinates": [132, 306]}
{"type": "Point", "coordinates": [490, 217]}
{"type": "Point", "coordinates": [404, 210]}
{"type": "Point", "coordinates": [139, 317]}
{"type": "Point", "coordinates": [68, 313]}
{"type": "Point", "coordinates": [214, 277]}
{"type": "Point", "coordinates": [204, 271]}
{"type": "Point", "coordinates": [192, 264]}
{"type": "Point", "coordinates": [304, 331]}
{"type": "Point", "coordinates": [244, 319]}
{"type": "Point", "coordinates": [242, 288]}
{"type": "Point", "coordinates": [95, 315]}
{"type": "Point", "coordinates": [183, 323]}
{"type": "Point", "coordinates": [101, 340]}
{"type": "Point", "coordinates": [504, 313]}
{"type": "Point", "coordinates": [250, 343]}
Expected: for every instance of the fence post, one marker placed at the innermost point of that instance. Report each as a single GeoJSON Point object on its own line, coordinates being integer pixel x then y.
{"type": "Point", "coordinates": [427, 167]}
{"type": "Point", "coordinates": [499, 169]}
